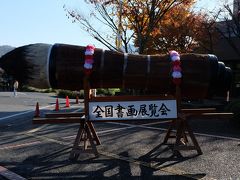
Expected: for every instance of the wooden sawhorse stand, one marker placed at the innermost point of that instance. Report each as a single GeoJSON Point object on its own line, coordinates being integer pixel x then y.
{"type": "Point", "coordinates": [87, 139]}
{"type": "Point", "coordinates": [86, 134]}
{"type": "Point", "coordinates": [183, 128]}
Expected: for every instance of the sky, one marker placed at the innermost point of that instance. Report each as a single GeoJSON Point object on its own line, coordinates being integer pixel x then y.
{"type": "Point", "coordinates": [25, 22]}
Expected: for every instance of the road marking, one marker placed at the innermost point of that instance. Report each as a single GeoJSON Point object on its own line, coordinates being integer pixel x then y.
{"type": "Point", "coordinates": [115, 129]}
{"type": "Point", "coordinates": [170, 170]}
{"type": "Point", "coordinates": [134, 125]}
{"type": "Point", "coordinates": [111, 130]}
{"type": "Point", "coordinates": [9, 174]}
{"type": "Point", "coordinates": [20, 145]}
{"type": "Point", "coordinates": [25, 112]}
{"type": "Point", "coordinates": [37, 129]}
{"type": "Point", "coordinates": [72, 106]}
{"type": "Point", "coordinates": [164, 129]}
{"type": "Point", "coordinates": [41, 137]}
{"type": "Point", "coordinates": [108, 154]}
{"type": "Point", "coordinates": [21, 93]}
{"type": "Point", "coordinates": [100, 132]}
{"type": "Point", "coordinates": [129, 126]}
{"type": "Point", "coordinates": [14, 115]}
{"type": "Point", "coordinates": [159, 122]}
{"type": "Point", "coordinates": [77, 110]}
{"type": "Point", "coordinates": [115, 156]}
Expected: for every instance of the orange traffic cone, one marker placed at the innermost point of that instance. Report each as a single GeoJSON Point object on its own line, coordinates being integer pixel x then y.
{"type": "Point", "coordinates": [67, 102]}
{"type": "Point", "coordinates": [37, 112]}
{"type": "Point", "coordinates": [57, 105]}
{"type": "Point", "coordinates": [77, 100]}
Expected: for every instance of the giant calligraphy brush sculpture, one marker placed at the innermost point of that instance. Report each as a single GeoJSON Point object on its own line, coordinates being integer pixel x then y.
{"type": "Point", "coordinates": [62, 66]}
{"type": "Point", "coordinates": [28, 64]}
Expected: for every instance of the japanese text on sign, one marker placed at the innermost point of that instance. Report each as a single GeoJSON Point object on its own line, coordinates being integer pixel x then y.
{"type": "Point", "coordinates": [127, 110]}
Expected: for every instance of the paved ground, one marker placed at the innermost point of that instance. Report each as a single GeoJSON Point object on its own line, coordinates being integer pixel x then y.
{"type": "Point", "coordinates": [128, 150]}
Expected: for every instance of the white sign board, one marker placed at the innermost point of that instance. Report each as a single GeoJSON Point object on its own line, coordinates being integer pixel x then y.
{"type": "Point", "coordinates": [130, 110]}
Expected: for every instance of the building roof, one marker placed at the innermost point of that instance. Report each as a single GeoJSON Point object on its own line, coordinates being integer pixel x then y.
{"type": "Point", "coordinates": [225, 52]}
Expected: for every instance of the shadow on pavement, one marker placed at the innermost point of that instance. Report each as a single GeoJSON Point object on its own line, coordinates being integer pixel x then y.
{"type": "Point", "coordinates": [48, 167]}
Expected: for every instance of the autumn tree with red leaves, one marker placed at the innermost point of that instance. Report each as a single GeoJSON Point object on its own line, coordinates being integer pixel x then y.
{"type": "Point", "coordinates": [183, 30]}
{"type": "Point", "coordinates": [154, 26]}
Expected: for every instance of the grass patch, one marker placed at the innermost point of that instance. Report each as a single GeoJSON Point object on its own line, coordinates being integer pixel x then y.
{"type": "Point", "coordinates": [71, 94]}
{"type": "Point", "coordinates": [107, 92]}
{"type": "Point", "coordinates": [33, 89]}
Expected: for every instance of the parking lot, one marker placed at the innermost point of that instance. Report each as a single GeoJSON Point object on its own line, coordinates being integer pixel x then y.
{"type": "Point", "coordinates": [131, 150]}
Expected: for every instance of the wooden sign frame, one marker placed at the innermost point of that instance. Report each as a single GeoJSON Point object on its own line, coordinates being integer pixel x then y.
{"type": "Point", "coordinates": [88, 135]}
{"type": "Point", "coordinates": [130, 108]}
{"type": "Point", "coordinates": [87, 139]}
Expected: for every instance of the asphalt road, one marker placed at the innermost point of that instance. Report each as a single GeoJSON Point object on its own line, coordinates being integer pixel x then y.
{"type": "Point", "coordinates": [127, 150]}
